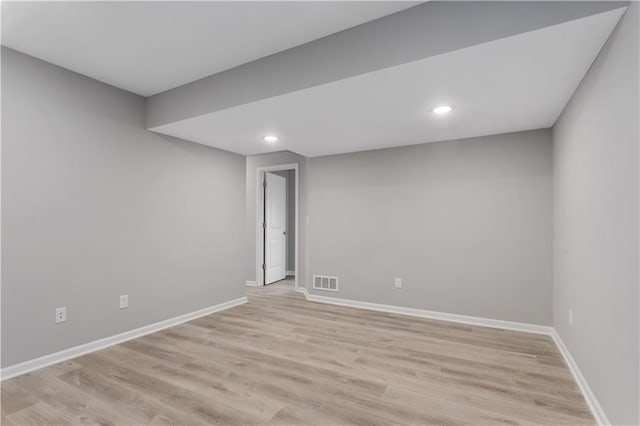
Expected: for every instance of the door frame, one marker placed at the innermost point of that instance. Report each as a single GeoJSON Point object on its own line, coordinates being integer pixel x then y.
{"type": "Point", "coordinates": [260, 171]}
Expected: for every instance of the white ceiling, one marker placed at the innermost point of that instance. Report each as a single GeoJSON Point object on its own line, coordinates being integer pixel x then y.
{"type": "Point", "coordinates": [149, 47]}
{"type": "Point", "coordinates": [517, 83]}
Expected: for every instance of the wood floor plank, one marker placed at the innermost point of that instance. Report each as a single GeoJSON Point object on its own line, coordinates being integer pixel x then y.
{"type": "Point", "coordinates": [281, 360]}
{"type": "Point", "coordinates": [14, 398]}
{"type": "Point", "coordinates": [39, 414]}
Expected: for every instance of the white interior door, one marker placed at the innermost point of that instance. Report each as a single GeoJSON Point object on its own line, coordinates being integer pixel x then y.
{"type": "Point", "coordinates": [275, 216]}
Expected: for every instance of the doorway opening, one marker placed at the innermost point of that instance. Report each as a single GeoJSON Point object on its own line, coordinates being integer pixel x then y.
{"type": "Point", "coordinates": [277, 208]}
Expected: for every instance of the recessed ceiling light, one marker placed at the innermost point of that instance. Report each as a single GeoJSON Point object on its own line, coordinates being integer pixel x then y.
{"type": "Point", "coordinates": [442, 109]}
{"type": "Point", "coordinates": [271, 139]}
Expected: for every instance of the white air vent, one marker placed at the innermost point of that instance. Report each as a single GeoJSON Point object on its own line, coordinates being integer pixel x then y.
{"type": "Point", "coordinates": [323, 282]}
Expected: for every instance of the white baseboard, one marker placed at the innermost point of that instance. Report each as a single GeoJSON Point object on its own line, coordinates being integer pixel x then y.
{"type": "Point", "coordinates": [485, 322]}
{"type": "Point", "coordinates": [76, 351]}
{"type": "Point", "coordinates": [251, 284]}
{"type": "Point", "coordinates": [290, 273]}
{"type": "Point", "coordinates": [589, 396]}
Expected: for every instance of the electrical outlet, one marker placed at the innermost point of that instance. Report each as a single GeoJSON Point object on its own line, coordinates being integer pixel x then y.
{"type": "Point", "coordinates": [571, 317]}
{"type": "Point", "coordinates": [124, 301]}
{"type": "Point", "coordinates": [61, 314]}
{"type": "Point", "coordinates": [398, 283]}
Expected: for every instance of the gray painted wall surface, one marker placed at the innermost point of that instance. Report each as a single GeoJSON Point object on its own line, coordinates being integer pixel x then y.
{"type": "Point", "coordinates": [596, 224]}
{"type": "Point", "coordinates": [272, 159]}
{"type": "Point", "coordinates": [95, 206]}
{"type": "Point", "coordinates": [290, 176]}
{"type": "Point", "coordinates": [466, 224]}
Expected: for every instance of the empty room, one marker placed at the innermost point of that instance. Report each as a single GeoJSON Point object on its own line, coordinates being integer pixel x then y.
{"type": "Point", "coordinates": [320, 213]}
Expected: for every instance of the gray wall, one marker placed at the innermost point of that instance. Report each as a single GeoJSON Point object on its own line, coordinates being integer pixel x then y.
{"type": "Point", "coordinates": [596, 224]}
{"type": "Point", "coordinates": [466, 224]}
{"type": "Point", "coordinates": [290, 176]}
{"type": "Point", "coordinates": [95, 206]}
{"type": "Point", "coordinates": [272, 159]}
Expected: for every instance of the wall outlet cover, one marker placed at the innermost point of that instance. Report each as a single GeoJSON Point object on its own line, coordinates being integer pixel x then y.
{"type": "Point", "coordinates": [61, 314]}
{"type": "Point", "coordinates": [124, 301]}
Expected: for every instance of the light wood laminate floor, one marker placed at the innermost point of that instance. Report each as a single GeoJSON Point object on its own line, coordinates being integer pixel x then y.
{"type": "Point", "coordinates": [281, 360]}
